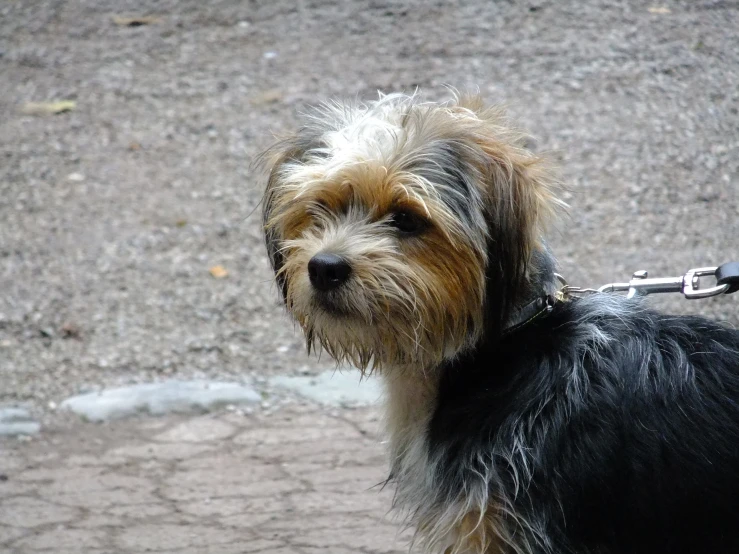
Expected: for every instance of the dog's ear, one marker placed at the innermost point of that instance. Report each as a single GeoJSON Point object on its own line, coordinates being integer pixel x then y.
{"type": "Point", "coordinates": [519, 191]}
{"type": "Point", "coordinates": [286, 156]}
{"type": "Point", "coordinates": [284, 152]}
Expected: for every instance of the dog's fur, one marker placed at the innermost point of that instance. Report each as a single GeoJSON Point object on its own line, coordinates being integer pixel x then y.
{"type": "Point", "coordinates": [601, 427]}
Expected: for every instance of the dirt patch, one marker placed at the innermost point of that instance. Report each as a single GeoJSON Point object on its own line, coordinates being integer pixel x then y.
{"type": "Point", "coordinates": [113, 213]}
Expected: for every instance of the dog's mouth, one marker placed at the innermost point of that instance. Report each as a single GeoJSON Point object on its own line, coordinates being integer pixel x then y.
{"type": "Point", "coordinates": [331, 304]}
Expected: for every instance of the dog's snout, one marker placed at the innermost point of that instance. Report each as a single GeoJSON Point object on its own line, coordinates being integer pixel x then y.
{"type": "Point", "coordinates": [328, 271]}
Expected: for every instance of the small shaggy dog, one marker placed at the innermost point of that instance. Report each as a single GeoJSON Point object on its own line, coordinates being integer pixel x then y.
{"type": "Point", "coordinates": [406, 239]}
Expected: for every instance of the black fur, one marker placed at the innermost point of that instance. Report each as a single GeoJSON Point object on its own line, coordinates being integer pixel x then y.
{"type": "Point", "coordinates": [628, 420]}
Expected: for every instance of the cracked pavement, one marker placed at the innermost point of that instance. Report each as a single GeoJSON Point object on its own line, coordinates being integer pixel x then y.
{"type": "Point", "coordinates": [301, 480]}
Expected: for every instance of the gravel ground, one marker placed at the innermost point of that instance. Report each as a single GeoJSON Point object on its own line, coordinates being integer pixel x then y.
{"type": "Point", "coordinates": [112, 214]}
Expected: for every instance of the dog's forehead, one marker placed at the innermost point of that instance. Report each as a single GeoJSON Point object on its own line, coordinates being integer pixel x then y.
{"type": "Point", "coordinates": [373, 136]}
{"type": "Point", "coordinates": [391, 154]}
{"type": "Point", "coordinates": [352, 131]}
{"type": "Point", "coordinates": [391, 135]}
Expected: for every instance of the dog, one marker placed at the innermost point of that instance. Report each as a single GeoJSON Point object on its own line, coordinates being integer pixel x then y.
{"type": "Point", "coordinates": [406, 239]}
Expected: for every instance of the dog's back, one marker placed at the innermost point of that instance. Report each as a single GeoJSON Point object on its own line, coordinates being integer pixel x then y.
{"type": "Point", "coordinates": [613, 429]}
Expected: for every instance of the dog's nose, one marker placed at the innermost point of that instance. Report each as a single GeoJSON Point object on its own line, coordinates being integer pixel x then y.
{"type": "Point", "coordinates": [328, 271]}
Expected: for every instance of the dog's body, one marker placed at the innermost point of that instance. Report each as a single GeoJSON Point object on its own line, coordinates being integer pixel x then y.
{"type": "Point", "coordinates": [405, 238]}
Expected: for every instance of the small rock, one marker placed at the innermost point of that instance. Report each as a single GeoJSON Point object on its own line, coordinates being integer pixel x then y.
{"type": "Point", "coordinates": [159, 399]}
{"type": "Point", "coordinates": [332, 388]}
{"type": "Point", "coordinates": [75, 177]}
{"type": "Point", "coordinates": [16, 420]}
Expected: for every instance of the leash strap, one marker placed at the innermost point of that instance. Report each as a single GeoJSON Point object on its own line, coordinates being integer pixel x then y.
{"type": "Point", "coordinates": [728, 274]}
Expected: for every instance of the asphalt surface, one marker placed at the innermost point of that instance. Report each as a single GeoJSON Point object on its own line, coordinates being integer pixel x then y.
{"type": "Point", "coordinates": [113, 214]}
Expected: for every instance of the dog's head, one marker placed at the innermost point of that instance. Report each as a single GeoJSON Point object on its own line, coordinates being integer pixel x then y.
{"type": "Point", "coordinates": [400, 232]}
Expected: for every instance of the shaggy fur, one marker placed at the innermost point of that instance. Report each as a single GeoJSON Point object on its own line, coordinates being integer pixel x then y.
{"type": "Point", "coordinates": [601, 427]}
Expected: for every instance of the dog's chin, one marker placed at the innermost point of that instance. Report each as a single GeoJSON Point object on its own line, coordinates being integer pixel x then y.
{"type": "Point", "coordinates": [344, 335]}
{"type": "Point", "coordinates": [367, 341]}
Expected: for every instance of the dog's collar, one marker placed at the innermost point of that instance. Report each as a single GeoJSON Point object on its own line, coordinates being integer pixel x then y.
{"type": "Point", "coordinates": [532, 311]}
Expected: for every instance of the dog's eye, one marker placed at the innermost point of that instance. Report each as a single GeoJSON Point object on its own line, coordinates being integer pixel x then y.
{"type": "Point", "coordinates": [408, 223]}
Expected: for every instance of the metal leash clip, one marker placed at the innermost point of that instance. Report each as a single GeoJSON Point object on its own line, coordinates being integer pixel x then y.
{"type": "Point", "coordinates": [688, 284]}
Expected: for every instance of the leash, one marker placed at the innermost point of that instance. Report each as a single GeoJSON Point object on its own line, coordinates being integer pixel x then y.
{"type": "Point", "coordinates": [689, 284]}
{"type": "Point", "coordinates": [726, 275]}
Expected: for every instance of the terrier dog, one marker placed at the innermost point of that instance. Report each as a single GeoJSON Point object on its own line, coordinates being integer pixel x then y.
{"type": "Point", "coordinates": [406, 238]}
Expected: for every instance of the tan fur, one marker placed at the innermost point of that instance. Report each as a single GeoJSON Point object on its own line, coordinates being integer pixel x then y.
{"type": "Point", "coordinates": [477, 533]}
{"type": "Point", "coordinates": [439, 299]}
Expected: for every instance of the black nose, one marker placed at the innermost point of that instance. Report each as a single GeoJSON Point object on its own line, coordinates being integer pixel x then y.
{"type": "Point", "coordinates": [328, 271]}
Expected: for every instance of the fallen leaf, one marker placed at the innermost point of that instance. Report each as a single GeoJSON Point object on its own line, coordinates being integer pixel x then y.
{"type": "Point", "coordinates": [134, 146]}
{"type": "Point", "coordinates": [267, 97]}
{"type": "Point", "coordinates": [135, 21]}
{"type": "Point", "coordinates": [218, 271]}
{"type": "Point", "coordinates": [182, 223]}
{"type": "Point", "coordinates": [659, 10]}
{"type": "Point", "coordinates": [48, 108]}
{"type": "Point", "coordinates": [70, 330]}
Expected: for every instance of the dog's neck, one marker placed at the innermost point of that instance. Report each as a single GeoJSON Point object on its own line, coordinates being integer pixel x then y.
{"type": "Point", "coordinates": [411, 392]}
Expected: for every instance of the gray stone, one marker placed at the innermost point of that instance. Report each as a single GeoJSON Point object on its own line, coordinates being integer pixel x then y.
{"type": "Point", "coordinates": [159, 399]}
{"type": "Point", "coordinates": [16, 420]}
{"type": "Point", "coordinates": [332, 388]}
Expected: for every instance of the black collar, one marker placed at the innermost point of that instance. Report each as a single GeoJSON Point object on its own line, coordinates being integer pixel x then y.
{"type": "Point", "coordinates": [532, 311]}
